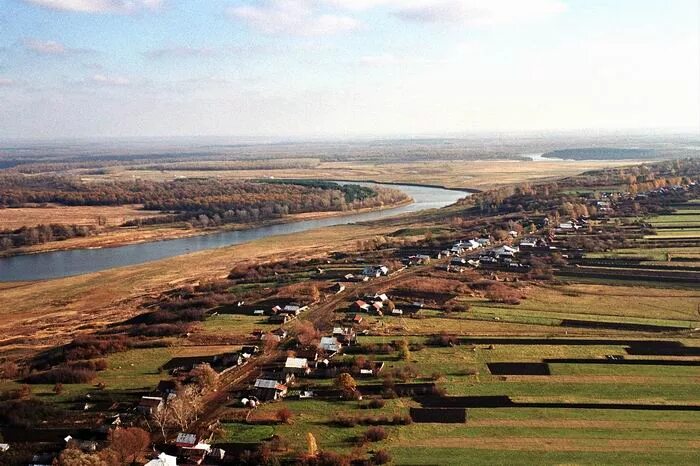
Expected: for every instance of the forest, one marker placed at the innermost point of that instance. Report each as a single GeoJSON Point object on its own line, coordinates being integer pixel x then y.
{"type": "Point", "coordinates": [197, 201]}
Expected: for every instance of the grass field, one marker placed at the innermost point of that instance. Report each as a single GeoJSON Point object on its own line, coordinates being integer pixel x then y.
{"type": "Point", "coordinates": [532, 435]}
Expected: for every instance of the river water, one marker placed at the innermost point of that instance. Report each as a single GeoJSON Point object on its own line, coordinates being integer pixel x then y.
{"type": "Point", "coordinates": [58, 264]}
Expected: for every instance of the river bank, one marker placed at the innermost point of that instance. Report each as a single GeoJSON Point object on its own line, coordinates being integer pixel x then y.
{"type": "Point", "coordinates": [123, 236]}
{"type": "Point", "coordinates": [64, 263]}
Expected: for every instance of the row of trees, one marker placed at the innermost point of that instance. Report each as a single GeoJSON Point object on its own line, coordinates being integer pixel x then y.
{"type": "Point", "coordinates": [29, 236]}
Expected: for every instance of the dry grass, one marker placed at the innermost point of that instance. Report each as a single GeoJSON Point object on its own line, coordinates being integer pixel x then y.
{"type": "Point", "coordinates": [455, 174]}
{"type": "Point", "coordinates": [65, 215]}
{"type": "Point", "coordinates": [50, 312]}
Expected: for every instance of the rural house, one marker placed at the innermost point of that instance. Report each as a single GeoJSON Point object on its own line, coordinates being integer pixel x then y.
{"type": "Point", "coordinates": [269, 390]}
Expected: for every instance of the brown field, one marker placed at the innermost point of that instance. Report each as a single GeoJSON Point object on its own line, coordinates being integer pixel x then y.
{"type": "Point", "coordinates": [477, 174]}
{"type": "Point", "coordinates": [65, 215]}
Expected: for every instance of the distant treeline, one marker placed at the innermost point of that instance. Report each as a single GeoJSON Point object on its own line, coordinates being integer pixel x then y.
{"type": "Point", "coordinates": [600, 153]}
{"type": "Point", "coordinates": [353, 192]}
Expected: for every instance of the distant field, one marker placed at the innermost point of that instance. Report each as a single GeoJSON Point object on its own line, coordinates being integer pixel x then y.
{"type": "Point", "coordinates": [84, 215]}
{"type": "Point", "coordinates": [478, 174]}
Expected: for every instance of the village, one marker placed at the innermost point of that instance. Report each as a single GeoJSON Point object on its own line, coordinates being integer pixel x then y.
{"type": "Point", "coordinates": [343, 330]}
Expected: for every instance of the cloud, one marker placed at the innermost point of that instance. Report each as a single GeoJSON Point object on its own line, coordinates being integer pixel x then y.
{"type": "Point", "coordinates": [6, 82]}
{"type": "Point", "coordinates": [479, 12]}
{"type": "Point", "coordinates": [108, 80]}
{"type": "Point", "coordinates": [389, 59]}
{"type": "Point", "coordinates": [471, 12]}
{"type": "Point", "coordinates": [51, 47]}
{"type": "Point", "coordinates": [292, 17]}
{"type": "Point", "coordinates": [180, 51]}
{"type": "Point", "coordinates": [99, 6]}
{"type": "Point", "coordinates": [48, 47]}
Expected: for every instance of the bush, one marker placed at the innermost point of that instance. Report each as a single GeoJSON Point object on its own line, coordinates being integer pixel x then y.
{"type": "Point", "coordinates": [284, 415]}
{"type": "Point", "coordinates": [159, 330]}
{"type": "Point", "coordinates": [375, 404]}
{"type": "Point", "coordinates": [62, 374]}
{"type": "Point", "coordinates": [381, 457]}
{"type": "Point", "coordinates": [500, 293]}
{"type": "Point", "coordinates": [375, 434]}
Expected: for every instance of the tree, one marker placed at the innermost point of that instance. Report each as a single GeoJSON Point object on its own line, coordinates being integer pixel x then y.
{"type": "Point", "coordinates": [307, 334]}
{"type": "Point", "coordinates": [206, 378]}
{"type": "Point", "coordinates": [311, 446]}
{"type": "Point", "coordinates": [185, 407]}
{"type": "Point", "coordinates": [163, 419]}
{"type": "Point", "coordinates": [75, 457]}
{"type": "Point", "coordinates": [404, 350]}
{"type": "Point", "coordinates": [346, 383]}
{"type": "Point", "coordinates": [284, 415]}
{"type": "Point", "coordinates": [127, 444]}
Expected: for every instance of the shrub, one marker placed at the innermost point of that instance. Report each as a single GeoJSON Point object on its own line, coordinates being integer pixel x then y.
{"type": "Point", "coordinates": [376, 403]}
{"type": "Point", "coordinates": [159, 330]}
{"type": "Point", "coordinates": [62, 374]}
{"type": "Point", "coordinates": [381, 457]}
{"type": "Point", "coordinates": [375, 434]}
{"type": "Point", "coordinates": [284, 415]}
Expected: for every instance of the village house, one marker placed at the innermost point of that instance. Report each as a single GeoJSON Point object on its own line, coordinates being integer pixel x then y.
{"type": "Point", "coordinates": [248, 351]}
{"type": "Point", "coordinates": [338, 288]}
{"type": "Point", "coordinates": [345, 335]}
{"type": "Point", "coordinates": [483, 242]}
{"type": "Point", "coordinates": [359, 306]}
{"type": "Point", "coordinates": [184, 440]}
{"type": "Point", "coordinates": [330, 344]}
{"type": "Point", "coordinates": [269, 390]}
{"type": "Point", "coordinates": [375, 271]}
{"type": "Point", "coordinates": [279, 319]}
{"type": "Point", "coordinates": [354, 318]}
{"type": "Point", "coordinates": [376, 308]}
{"type": "Point", "coordinates": [294, 309]}
{"type": "Point", "coordinates": [163, 460]}
{"type": "Point", "coordinates": [150, 405]}
{"type": "Point", "coordinates": [297, 366]}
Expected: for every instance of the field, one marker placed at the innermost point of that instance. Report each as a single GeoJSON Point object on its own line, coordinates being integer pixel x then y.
{"type": "Point", "coordinates": [67, 215]}
{"type": "Point", "coordinates": [474, 174]}
{"type": "Point", "coordinates": [547, 367]}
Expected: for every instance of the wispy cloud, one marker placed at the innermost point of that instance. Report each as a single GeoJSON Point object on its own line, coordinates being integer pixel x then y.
{"type": "Point", "coordinates": [108, 80]}
{"type": "Point", "coordinates": [99, 6]}
{"type": "Point", "coordinates": [180, 51]}
{"type": "Point", "coordinates": [292, 17]}
{"type": "Point", "coordinates": [51, 47]}
{"type": "Point", "coordinates": [479, 12]}
{"type": "Point", "coordinates": [390, 59]}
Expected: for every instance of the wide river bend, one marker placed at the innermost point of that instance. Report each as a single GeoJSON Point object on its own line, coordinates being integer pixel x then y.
{"type": "Point", "coordinates": [56, 264]}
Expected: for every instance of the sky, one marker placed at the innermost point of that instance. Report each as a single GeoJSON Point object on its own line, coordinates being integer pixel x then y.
{"type": "Point", "coordinates": [345, 68]}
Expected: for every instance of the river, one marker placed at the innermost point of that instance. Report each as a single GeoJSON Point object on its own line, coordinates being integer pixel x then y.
{"type": "Point", "coordinates": [58, 264]}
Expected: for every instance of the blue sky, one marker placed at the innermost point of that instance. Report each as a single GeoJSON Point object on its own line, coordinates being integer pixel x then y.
{"type": "Point", "coordinates": [342, 68]}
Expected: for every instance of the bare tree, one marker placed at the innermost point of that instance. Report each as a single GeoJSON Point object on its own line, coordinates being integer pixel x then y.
{"type": "Point", "coordinates": [128, 443]}
{"type": "Point", "coordinates": [186, 407]}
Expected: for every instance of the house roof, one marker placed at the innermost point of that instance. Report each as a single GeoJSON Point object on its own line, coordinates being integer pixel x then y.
{"type": "Point", "coordinates": [185, 439]}
{"type": "Point", "coordinates": [150, 401]}
{"type": "Point", "coordinates": [330, 343]}
{"type": "Point", "coordinates": [163, 460]}
{"type": "Point", "coordinates": [296, 363]}
{"type": "Point", "coordinates": [272, 384]}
